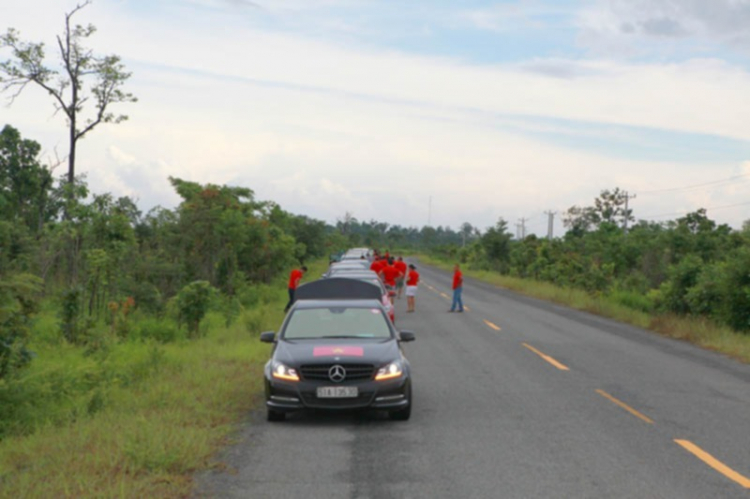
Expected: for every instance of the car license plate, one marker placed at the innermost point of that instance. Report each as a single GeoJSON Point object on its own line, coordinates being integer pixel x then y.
{"type": "Point", "coordinates": [337, 392]}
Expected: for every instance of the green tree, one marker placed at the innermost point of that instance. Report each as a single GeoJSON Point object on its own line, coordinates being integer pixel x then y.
{"type": "Point", "coordinates": [497, 243]}
{"type": "Point", "coordinates": [609, 208]}
{"type": "Point", "coordinates": [734, 308]}
{"type": "Point", "coordinates": [18, 304]}
{"type": "Point", "coordinates": [682, 276]}
{"type": "Point", "coordinates": [428, 236]}
{"type": "Point", "coordinates": [25, 185]}
{"type": "Point", "coordinates": [193, 302]}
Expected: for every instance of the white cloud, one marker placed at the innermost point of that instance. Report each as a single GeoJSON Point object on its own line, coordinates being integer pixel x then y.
{"type": "Point", "coordinates": [318, 197]}
{"type": "Point", "coordinates": [323, 128]}
{"type": "Point", "coordinates": [674, 96]}
{"type": "Point", "coordinates": [121, 157]}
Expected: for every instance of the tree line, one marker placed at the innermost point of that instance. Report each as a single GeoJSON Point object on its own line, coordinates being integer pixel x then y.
{"type": "Point", "coordinates": [688, 266]}
{"type": "Point", "coordinates": [98, 256]}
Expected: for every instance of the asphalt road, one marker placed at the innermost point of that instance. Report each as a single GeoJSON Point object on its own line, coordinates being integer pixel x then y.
{"type": "Point", "coordinates": [516, 398]}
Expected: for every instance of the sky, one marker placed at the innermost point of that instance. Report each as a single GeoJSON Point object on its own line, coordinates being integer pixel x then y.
{"type": "Point", "coordinates": [416, 112]}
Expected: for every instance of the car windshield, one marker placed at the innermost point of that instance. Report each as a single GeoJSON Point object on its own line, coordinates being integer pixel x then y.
{"type": "Point", "coordinates": [337, 322]}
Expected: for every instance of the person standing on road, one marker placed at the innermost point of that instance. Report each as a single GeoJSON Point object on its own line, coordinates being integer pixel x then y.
{"type": "Point", "coordinates": [400, 264]}
{"type": "Point", "coordinates": [294, 278]}
{"type": "Point", "coordinates": [377, 264]}
{"type": "Point", "coordinates": [458, 288]}
{"type": "Point", "coordinates": [412, 281]}
{"type": "Point", "coordinates": [389, 274]}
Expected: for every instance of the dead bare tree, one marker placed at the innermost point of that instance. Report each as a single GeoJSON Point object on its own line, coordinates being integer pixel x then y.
{"type": "Point", "coordinates": [83, 77]}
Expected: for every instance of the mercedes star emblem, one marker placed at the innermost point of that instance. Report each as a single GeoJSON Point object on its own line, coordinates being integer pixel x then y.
{"type": "Point", "coordinates": [337, 373]}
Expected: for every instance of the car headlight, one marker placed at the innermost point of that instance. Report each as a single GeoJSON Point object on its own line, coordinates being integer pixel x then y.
{"type": "Point", "coordinates": [280, 371]}
{"type": "Point", "coordinates": [393, 370]}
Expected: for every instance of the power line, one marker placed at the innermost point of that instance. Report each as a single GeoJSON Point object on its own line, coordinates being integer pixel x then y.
{"type": "Point", "coordinates": [691, 211]}
{"type": "Point", "coordinates": [695, 186]}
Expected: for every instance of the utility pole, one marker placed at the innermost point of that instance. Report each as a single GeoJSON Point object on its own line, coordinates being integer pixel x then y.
{"type": "Point", "coordinates": [550, 223]}
{"type": "Point", "coordinates": [522, 225]}
{"type": "Point", "coordinates": [628, 197]}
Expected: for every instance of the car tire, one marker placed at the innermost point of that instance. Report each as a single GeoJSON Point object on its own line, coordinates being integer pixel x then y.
{"type": "Point", "coordinates": [275, 416]}
{"type": "Point", "coordinates": [403, 414]}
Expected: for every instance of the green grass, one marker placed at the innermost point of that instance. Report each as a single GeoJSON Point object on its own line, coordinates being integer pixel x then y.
{"type": "Point", "coordinates": [137, 418]}
{"type": "Point", "coordinates": [621, 307]}
{"type": "Point", "coordinates": [162, 414]}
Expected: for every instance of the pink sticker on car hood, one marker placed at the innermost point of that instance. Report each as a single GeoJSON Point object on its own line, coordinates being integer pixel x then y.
{"type": "Point", "coordinates": [338, 351]}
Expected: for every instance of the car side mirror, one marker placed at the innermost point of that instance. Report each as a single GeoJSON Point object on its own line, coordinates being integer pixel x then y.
{"type": "Point", "coordinates": [407, 335]}
{"type": "Point", "coordinates": [268, 337]}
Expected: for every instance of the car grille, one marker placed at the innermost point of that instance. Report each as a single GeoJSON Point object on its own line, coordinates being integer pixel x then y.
{"type": "Point", "coordinates": [354, 372]}
{"type": "Point", "coordinates": [363, 400]}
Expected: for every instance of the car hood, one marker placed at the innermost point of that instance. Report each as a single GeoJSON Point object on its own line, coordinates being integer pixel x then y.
{"type": "Point", "coordinates": [354, 350]}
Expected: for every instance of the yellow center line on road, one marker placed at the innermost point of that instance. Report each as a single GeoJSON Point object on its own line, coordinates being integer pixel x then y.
{"type": "Point", "coordinates": [714, 463]}
{"type": "Point", "coordinates": [625, 406]}
{"type": "Point", "coordinates": [467, 309]}
{"type": "Point", "coordinates": [546, 357]}
{"type": "Point", "coordinates": [445, 296]}
{"type": "Point", "coordinates": [493, 326]}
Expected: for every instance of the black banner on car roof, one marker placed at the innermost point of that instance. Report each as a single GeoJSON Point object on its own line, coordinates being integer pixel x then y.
{"type": "Point", "coordinates": [337, 288]}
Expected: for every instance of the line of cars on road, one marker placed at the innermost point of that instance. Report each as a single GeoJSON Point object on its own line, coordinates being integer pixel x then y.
{"type": "Point", "coordinates": [338, 347]}
{"type": "Point", "coordinates": [355, 264]}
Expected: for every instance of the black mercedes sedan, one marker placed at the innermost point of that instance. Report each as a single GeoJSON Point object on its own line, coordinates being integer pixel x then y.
{"type": "Point", "coordinates": [338, 350]}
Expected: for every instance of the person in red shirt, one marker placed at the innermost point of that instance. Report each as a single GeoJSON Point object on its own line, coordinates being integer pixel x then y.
{"type": "Point", "coordinates": [400, 264]}
{"type": "Point", "coordinates": [294, 278]}
{"type": "Point", "coordinates": [412, 281]}
{"type": "Point", "coordinates": [389, 274]}
{"type": "Point", "coordinates": [377, 265]}
{"type": "Point", "coordinates": [458, 288]}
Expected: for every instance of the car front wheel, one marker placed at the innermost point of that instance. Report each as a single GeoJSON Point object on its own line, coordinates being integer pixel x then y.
{"type": "Point", "coordinates": [403, 414]}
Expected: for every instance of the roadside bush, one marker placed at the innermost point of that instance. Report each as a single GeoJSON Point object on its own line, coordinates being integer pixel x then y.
{"type": "Point", "coordinates": [193, 302]}
{"type": "Point", "coordinates": [262, 318]}
{"type": "Point", "coordinates": [656, 297]}
{"type": "Point", "coordinates": [261, 294]}
{"type": "Point", "coordinates": [463, 255]}
{"type": "Point", "coordinates": [18, 304]}
{"type": "Point", "coordinates": [161, 330]}
{"type": "Point", "coordinates": [70, 314]}
{"type": "Point", "coordinates": [735, 291]}
{"type": "Point", "coordinates": [119, 319]}
{"type": "Point", "coordinates": [230, 307]}
{"type": "Point", "coordinates": [706, 297]}
{"type": "Point", "coordinates": [71, 385]}
{"type": "Point", "coordinates": [635, 281]}
{"type": "Point", "coordinates": [147, 297]}
{"type": "Point", "coordinates": [632, 299]}
{"type": "Point", "coordinates": [596, 279]}
{"type": "Point", "coordinates": [682, 277]}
